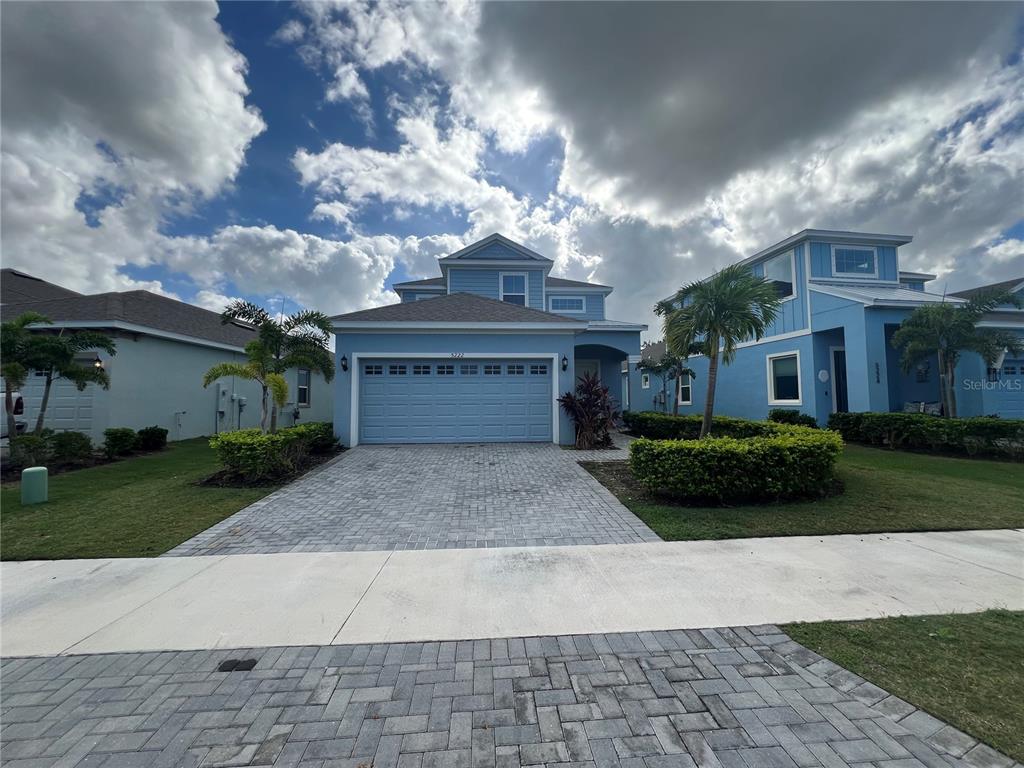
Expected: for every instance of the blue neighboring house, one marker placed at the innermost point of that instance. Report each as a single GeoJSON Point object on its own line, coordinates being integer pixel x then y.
{"type": "Point", "coordinates": [828, 350]}
{"type": "Point", "coordinates": [479, 354]}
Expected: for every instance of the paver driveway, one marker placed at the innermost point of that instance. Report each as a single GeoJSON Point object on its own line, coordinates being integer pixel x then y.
{"type": "Point", "coordinates": [431, 497]}
{"type": "Point", "coordinates": [727, 698]}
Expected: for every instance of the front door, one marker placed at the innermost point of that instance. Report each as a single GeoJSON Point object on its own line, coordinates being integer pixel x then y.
{"type": "Point", "coordinates": [593, 367]}
{"type": "Point", "coordinates": [840, 401]}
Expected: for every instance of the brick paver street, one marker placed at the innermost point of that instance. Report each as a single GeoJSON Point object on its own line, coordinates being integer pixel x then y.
{"type": "Point", "coordinates": [727, 698]}
{"type": "Point", "coordinates": [432, 497]}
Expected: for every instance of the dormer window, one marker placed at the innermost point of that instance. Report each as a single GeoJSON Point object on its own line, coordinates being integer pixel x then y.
{"type": "Point", "coordinates": [856, 261]}
{"type": "Point", "coordinates": [513, 287]}
{"type": "Point", "coordinates": [780, 271]}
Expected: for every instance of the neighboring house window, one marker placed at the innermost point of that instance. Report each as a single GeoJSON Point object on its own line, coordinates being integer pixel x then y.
{"type": "Point", "coordinates": [645, 381]}
{"type": "Point", "coordinates": [923, 374]}
{"type": "Point", "coordinates": [373, 370]}
{"type": "Point", "coordinates": [567, 304]}
{"type": "Point", "coordinates": [1010, 370]}
{"type": "Point", "coordinates": [468, 370]}
{"type": "Point", "coordinates": [784, 379]}
{"type": "Point", "coordinates": [421, 370]}
{"type": "Point", "coordinates": [513, 287]}
{"type": "Point", "coordinates": [854, 261]}
{"type": "Point", "coordinates": [516, 370]}
{"type": "Point", "coordinates": [538, 370]}
{"type": "Point", "coordinates": [492, 370]}
{"type": "Point", "coordinates": [302, 396]}
{"type": "Point", "coordinates": [396, 370]}
{"type": "Point", "coordinates": [684, 393]}
{"type": "Point", "coordinates": [780, 271]}
{"type": "Point", "coordinates": [446, 370]}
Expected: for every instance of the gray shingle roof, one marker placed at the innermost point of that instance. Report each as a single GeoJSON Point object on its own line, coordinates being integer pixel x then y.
{"type": "Point", "coordinates": [138, 308]}
{"type": "Point", "coordinates": [455, 308]}
{"type": "Point", "coordinates": [1005, 285]}
{"type": "Point", "coordinates": [428, 282]}
{"type": "Point", "coordinates": [561, 282]}
{"type": "Point", "coordinates": [17, 287]}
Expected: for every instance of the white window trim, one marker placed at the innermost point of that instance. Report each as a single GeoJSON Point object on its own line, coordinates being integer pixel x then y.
{"type": "Point", "coordinates": [308, 388]}
{"type": "Point", "coordinates": [580, 311]}
{"type": "Point", "coordinates": [771, 379]}
{"type": "Point", "coordinates": [526, 286]}
{"type": "Point", "coordinates": [792, 266]}
{"type": "Point", "coordinates": [645, 381]}
{"type": "Point", "coordinates": [854, 275]}
{"type": "Point", "coordinates": [679, 389]}
{"type": "Point", "coordinates": [359, 357]}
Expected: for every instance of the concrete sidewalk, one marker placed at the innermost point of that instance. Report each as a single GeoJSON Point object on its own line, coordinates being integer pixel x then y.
{"type": "Point", "coordinates": [98, 606]}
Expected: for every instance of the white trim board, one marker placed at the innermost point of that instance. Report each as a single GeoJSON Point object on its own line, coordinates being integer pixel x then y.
{"type": "Point", "coordinates": [770, 381]}
{"type": "Point", "coordinates": [412, 325]}
{"type": "Point", "coordinates": [357, 356]}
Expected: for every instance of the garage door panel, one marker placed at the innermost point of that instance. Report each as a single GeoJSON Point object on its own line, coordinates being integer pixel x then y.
{"type": "Point", "coordinates": [423, 401]}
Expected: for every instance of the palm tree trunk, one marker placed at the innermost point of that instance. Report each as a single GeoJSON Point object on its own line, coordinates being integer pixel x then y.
{"type": "Point", "coordinates": [675, 396]}
{"type": "Point", "coordinates": [12, 424]}
{"type": "Point", "coordinates": [709, 401]}
{"type": "Point", "coordinates": [263, 410]}
{"type": "Point", "coordinates": [951, 384]}
{"type": "Point", "coordinates": [45, 402]}
{"type": "Point", "coordinates": [273, 418]}
{"type": "Point", "coordinates": [943, 382]}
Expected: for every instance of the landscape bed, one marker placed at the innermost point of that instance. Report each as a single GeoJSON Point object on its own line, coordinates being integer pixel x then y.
{"type": "Point", "coordinates": [883, 491]}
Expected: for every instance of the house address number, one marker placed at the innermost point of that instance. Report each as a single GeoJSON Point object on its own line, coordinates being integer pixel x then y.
{"type": "Point", "coordinates": [458, 355]}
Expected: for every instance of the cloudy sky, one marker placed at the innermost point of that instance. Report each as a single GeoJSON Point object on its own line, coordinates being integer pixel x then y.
{"type": "Point", "coordinates": [320, 152]}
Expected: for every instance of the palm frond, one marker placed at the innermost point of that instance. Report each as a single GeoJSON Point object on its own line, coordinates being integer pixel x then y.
{"type": "Point", "coordinates": [245, 311]}
{"type": "Point", "coordinates": [224, 370]}
{"type": "Point", "coordinates": [278, 389]}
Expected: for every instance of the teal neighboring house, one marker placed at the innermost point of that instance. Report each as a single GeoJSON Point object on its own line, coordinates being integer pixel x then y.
{"type": "Point", "coordinates": [829, 349]}
{"type": "Point", "coordinates": [479, 354]}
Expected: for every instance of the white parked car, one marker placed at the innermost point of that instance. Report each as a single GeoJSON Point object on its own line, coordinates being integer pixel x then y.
{"type": "Point", "coordinates": [19, 410]}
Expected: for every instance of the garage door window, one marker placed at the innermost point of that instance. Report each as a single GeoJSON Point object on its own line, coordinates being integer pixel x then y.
{"type": "Point", "coordinates": [492, 370]}
{"type": "Point", "coordinates": [374, 370]}
{"type": "Point", "coordinates": [538, 370]}
{"type": "Point", "coordinates": [468, 370]}
{"type": "Point", "coordinates": [516, 370]}
{"type": "Point", "coordinates": [446, 370]}
{"type": "Point", "coordinates": [421, 370]}
{"type": "Point", "coordinates": [396, 370]}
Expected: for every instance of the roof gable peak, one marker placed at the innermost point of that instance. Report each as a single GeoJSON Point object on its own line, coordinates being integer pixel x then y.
{"type": "Point", "coordinates": [496, 247]}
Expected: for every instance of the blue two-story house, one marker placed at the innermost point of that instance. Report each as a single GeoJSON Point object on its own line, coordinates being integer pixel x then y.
{"type": "Point", "coordinates": [843, 296]}
{"type": "Point", "coordinates": [479, 354]}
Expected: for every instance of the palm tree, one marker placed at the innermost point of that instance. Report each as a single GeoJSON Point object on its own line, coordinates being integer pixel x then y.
{"type": "Point", "coordinates": [55, 355]}
{"type": "Point", "coordinates": [668, 368]}
{"type": "Point", "coordinates": [297, 341]}
{"type": "Point", "coordinates": [14, 337]}
{"type": "Point", "coordinates": [945, 330]}
{"type": "Point", "coordinates": [714, 316]}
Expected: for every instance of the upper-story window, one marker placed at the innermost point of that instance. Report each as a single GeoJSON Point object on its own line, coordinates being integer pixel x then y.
{"type": "Point", "coordinates": [302, 390]}
{"type": "Point", "coordinates": [567, 304]}
{"type": "Point", "coordinates": [513, 287]}
{"type": "Point", "coordinates": [859, 261]}
{"type": "Point", "coordinates": [781, 272]}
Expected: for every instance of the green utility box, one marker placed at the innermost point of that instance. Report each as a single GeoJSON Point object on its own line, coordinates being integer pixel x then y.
{"type": "Point", "coordinates": [35, 485]}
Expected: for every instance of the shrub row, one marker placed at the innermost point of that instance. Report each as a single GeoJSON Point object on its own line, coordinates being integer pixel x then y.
{"type": "Point", "coordinates": [663, 426]}
{"type": "Point", "coordinates": [253, 456]}
{"type": "Point", "coordinates": [794, 463]}
{"type": "Point", "coordinates": [973, 436]}
{"type": "Point", "coordinates": [69, 449]}
{"type": "Point", "coordinates": [789, 416]}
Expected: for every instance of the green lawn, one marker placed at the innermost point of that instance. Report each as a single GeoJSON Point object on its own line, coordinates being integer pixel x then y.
{"type": "Point", "coordinates": [884, 491]}
{"type": "Point", "coordinates": [967, 669]}
{"type": "Point", "coordinates": [138, 507]}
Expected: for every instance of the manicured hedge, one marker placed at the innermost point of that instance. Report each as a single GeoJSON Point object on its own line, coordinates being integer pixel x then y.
{"type": "Point", "coordinates": [663, 426]}
{"type": "Point", "coordinates": [119, 441]}
{"type": "Point", "coordinates": [919, 431]}
{"type": "Point", "coordinates": [71, 448]}
{"type": "Point", "coordinates": [152, 438]}
{"type": "Point", "coordinates": [253, 456]}
{"type": "Point", "coordinates": [797, 462]}
{"type": "Point", "coordinates": [789, 416]}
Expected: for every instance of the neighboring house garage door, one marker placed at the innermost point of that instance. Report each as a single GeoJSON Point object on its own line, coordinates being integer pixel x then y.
{"type": "Point", "coordinates": [455, 401]}
{"type": "Point", "coordinates": [1009, 397]}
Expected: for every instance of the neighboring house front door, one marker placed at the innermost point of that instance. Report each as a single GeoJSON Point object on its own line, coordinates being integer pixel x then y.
{"type": "Point", "coordinates": [593, 367]}
{"type": "Point", "coordinates": [840, 400]}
